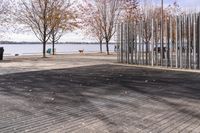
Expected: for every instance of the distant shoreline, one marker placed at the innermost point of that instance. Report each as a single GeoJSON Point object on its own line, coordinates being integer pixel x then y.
{"type": "Point", "coordinates": [59, 43]}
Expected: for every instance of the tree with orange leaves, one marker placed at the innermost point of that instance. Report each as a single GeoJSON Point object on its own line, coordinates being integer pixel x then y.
{"type": "Point", "coordinates": [47, 18]}
{"type": "Point", "coordinates": [37, 14]}
{"type": "Point", "coordinates": [64, 19]}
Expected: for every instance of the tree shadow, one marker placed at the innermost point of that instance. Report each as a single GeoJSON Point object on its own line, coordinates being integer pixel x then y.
{"type": "Point", "coordinates": [93, 94]}
{"type": "Point", "coordinates": [61, 95]}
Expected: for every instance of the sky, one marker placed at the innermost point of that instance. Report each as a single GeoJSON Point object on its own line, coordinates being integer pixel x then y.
{"type": "Point", "coordinates": [78, 35]}
{"type": "Point", "coordinates": [189, 3]}
{"type": "Point", "coordinates": [75, 36]}
{"type": "Point", "coordinates": [182, 3]}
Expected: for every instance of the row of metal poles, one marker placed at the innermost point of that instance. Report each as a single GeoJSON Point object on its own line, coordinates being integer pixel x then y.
{"type": "Point", "coordinates": [141, 42]}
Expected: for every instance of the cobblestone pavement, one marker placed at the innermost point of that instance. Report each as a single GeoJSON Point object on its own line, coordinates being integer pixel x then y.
{"type": "Point", "coordinates": [101, 98]}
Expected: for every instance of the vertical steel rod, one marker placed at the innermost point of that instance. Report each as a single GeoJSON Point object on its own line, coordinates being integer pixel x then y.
{"type": "Point", "coordinates": [161, 42]}
{"type": "Point", "coordinates": [171, 42]}
{"type": "Point", "coordinates": [177, 42]}
{"type": "Point", "coordinates": [152, 46]}
{"type": "Point", "coordinates": [180, 42]}
{"type": "Point", "coordinates": [194, 40]}
{"type": "Point", "coordinates": [121, 47]}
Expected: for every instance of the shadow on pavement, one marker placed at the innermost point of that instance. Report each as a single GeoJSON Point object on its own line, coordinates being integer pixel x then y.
{"type": "Point", "coordinates": [84, 96]}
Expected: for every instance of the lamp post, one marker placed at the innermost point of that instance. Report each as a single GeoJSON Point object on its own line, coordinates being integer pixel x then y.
{"type": "Point", "coordinates": [161, 43]}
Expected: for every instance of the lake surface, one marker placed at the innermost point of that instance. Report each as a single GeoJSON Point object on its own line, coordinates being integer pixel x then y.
{"type": "Point", "coordinates": [36, 49]}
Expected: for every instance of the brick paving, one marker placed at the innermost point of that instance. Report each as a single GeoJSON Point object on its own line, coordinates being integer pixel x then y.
{"type": "Point", "coordinates": [100, 99]}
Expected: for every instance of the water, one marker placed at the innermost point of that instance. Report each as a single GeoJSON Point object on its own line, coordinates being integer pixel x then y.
{"type": "Point", "coordinates": [36, 49]}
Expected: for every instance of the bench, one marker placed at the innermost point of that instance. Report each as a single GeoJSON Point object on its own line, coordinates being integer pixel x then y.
{"type": "Point", "coordinates": [49, 51]}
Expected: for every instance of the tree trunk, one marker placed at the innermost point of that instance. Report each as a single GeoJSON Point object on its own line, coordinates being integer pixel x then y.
{"type": "Point", "coordinates": [163, 54]}
{"type": "Point", "coordinates": [101, 46]}
{"type": "Point", "coordinates": [44, 49]}
{"type": "Point", "coordinates": [44, 42]}
{"type": "Point", "coordinates": [147, 51]}
{"type": "Point", "coordinates": [53, 45]}
{"type": "Point", "coordinates": [107, 47]}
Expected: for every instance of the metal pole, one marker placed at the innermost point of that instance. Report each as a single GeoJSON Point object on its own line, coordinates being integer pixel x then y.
{"type": "Point", "coordinates": [121, 44]}
{"type": "Point", "coordinates": [128, 43]}
{"type": "Point", "coordinates": [177, 42]}
{"type": "Point", "coordinates": [156, 43]}
{"type": "Point", "coordinates": [152, 47]}
{"type": "Point", "coordinates": [161, 33]}
{"type": "Point", "coordinates": [199, 42]}
{"type": "Point", "coordinates": [118, 42]}
{"type": "Point", "coordinates": [180, 42]}
{"type": "Point", "coordinates": [171, 42]}
{"type": "Point", "coordinates": [139, 57]}
{"type": "Point", "coordinates": [187, 31]}
{"type": "Point", "coordinates": [125, 42]}
{"type": "Point", "coordinates": [168, 42]}
{"type": "Point", "coordinates": [132, 42]}
{"type": "Point", "coordinates": [194, 41]}
{"type": "Point", "coordinates": [136, 45]}
{"type": "Point", "coordinates": [184, 42]}
{"type": "Point", "coordinates": [189, 41]}
{"type": "Point", "coordinates": [142, 34]}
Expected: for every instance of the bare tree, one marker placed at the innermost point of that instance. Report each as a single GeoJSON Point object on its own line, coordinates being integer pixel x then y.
{"type": "Point", "coordinates": [96, 30]}
{"type": "Point", "coordinates": [5, 16]}
{"type": "Point", "coordinates": [91, 21]}
{"type": "Point", "coordinates": [64, 19]}
{"type": "Point", "coordinates": [37, 14]}
{"type": "Point", "coordinates": [173, 11]}
{"type": "Point", "coordinates": [109, 15]}
{"type": "Point", "coordinates": [131, 12]}
{"type": "Point", "coordinates": [103, 15]}
{"type": "Point", "coordinates": [4, 8]}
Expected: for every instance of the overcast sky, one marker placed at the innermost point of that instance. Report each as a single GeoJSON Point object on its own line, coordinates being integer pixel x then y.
{"type": "Point", "coordinates": [189, 3]}
{"type": "Point", "coordinates": [182, 3]}
{"type": "Point", "coordinates": [78, 36]}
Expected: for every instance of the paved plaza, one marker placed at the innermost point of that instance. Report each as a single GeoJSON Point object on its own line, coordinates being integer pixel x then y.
{"type": "Point", "coordinates": [92, 94]}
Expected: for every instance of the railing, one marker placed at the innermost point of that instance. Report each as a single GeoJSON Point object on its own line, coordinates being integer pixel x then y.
{"type": "Point", "coordinates": [140, 42]}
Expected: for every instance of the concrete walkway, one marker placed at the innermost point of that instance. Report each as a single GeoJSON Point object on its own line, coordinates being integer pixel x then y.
{"type": "Point", "coordinates": [36, 63]}
{"type": "Point", "coordinates": [97, 98]}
